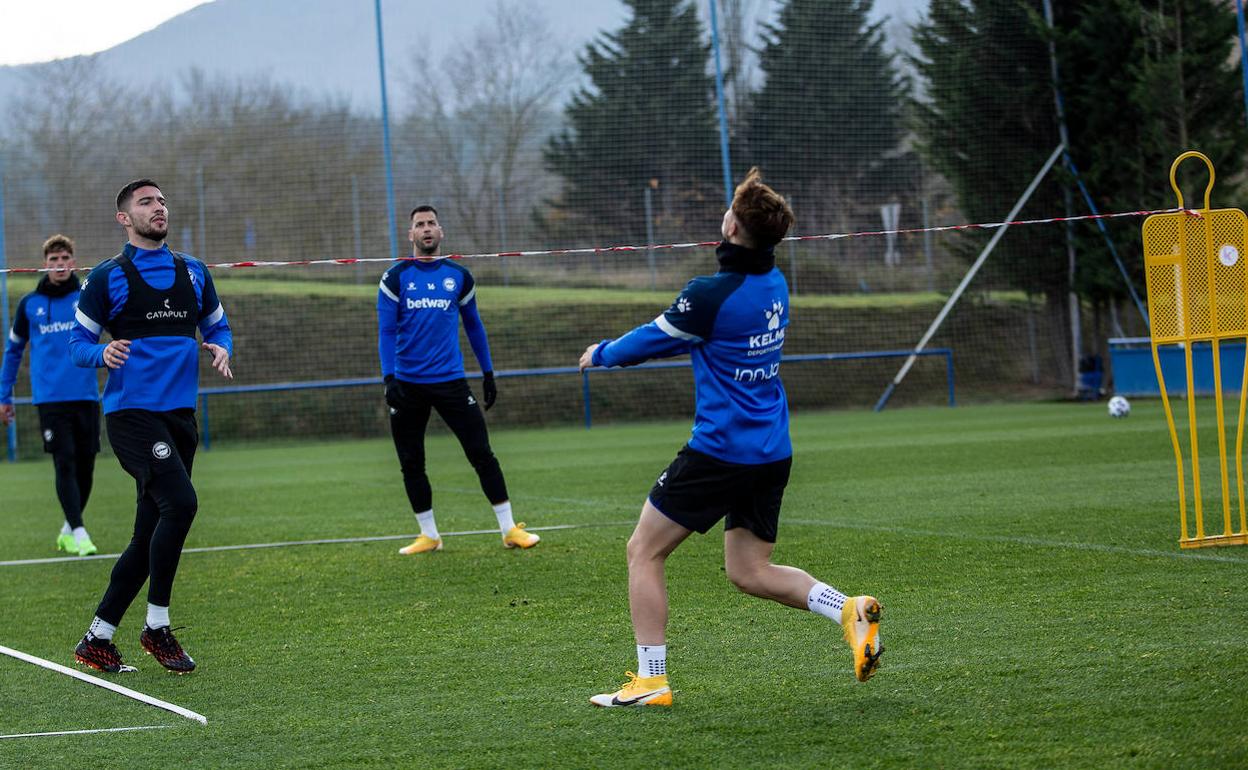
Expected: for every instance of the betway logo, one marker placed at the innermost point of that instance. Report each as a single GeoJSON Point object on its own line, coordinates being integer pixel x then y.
{"type": "Point", "coordinates": [56, 326]}
{"type": "Point", "coordinates": [158, 314]}
{"type": "Point", "coordinates": [763, 340]}
{"type": "Point", "coordinates": [425, 303]}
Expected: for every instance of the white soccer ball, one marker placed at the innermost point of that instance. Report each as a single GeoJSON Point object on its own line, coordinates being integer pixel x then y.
{"type": "Point", "coordinates": [1119, 407]}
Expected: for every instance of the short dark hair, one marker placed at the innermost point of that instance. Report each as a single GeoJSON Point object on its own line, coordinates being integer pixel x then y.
{"type": "Point", "coordinates": [127, 192]}
{"type": "Point", "coordinates": [420, 208]}
{"type": "Point", "coordinates": [58, 242]}
{"type": "Point", "coordinates": [764, 214]}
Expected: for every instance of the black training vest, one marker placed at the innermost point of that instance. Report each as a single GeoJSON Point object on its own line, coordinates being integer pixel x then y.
{"type": "Point", "coordinates": [152, 312]}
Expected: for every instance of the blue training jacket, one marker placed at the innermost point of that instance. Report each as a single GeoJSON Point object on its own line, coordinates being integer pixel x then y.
{"type": "Point", "coordinates": [419, 304]}
{"type": "Point", "coordinates": [733, 324]}
{"type": "Point", "coordinates": [162, 372]}
{"type": "Point", "coordinates": [44, 319]}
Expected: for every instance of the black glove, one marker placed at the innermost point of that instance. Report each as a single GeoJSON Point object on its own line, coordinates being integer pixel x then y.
{"type": "Point", "coordinates": [489, 389]}
{"type": "Point", "coordinates": [392, 391]}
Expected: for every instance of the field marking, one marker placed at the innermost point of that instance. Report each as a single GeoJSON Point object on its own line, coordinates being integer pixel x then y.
{"type": "Point", "coordinates": [1018, 540]}
{"type": "Point", "coordinates": [126, 691]}
{"type": "Point", "coordinates": [289, 543]}
{"type": "Point", "coordinates": [86, 732]}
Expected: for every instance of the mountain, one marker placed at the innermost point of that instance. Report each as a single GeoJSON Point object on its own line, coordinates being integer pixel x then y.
{"type": "Point", "coordinates": [328, 48]}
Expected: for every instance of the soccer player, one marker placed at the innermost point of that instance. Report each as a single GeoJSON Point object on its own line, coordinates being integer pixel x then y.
{"type": "Point", "coordinates": [68, 398]}
{"type": "Point", "coordinates": [736, 465]}
{"type": "Point", "coordinates": [151, 300]}
{"type": "Point", "coordinates": [419, 305]}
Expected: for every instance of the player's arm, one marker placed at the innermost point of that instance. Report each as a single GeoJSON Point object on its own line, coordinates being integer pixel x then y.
{"type": "Point", "coordinates": [388, 320]}
{"type": "Point", "coordinates": [95, 307]}
{"type": "Point", "coordinates": [14, 347]}
{"type": "Point", "coordinates": [477, 338]}
{"type": "Point", "coordinates": [685, 324]}
{"type": "Point", "coordinates": [214, 326]}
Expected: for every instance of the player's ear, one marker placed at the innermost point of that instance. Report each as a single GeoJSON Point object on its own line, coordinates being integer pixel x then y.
{"type": "Point", "coordinates": [123, 218]}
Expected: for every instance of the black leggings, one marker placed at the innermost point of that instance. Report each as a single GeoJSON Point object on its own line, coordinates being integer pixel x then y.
{"type": "Point", "coordinates": [459, 410]}
{"type": "Point", "coordinates": [75, 472]}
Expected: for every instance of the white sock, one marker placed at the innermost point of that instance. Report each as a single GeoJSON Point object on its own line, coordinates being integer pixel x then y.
{"type": "Point", "coordinates": [651, 660]}
{"type": "Point", "coordinates": [66, 529]}
{"type": "Point", "coordinates": [157, 617]}
{"type": "Point", "coordinates": [503, 512]}
{"type": "Point", "coordinates": [827, 601]}
{"type": "Point", "coordinates": [101, 630]}
{"type": "Point", "coordinates": [80, 534]}
{"type": "Point", "coordinates": [427, 526]}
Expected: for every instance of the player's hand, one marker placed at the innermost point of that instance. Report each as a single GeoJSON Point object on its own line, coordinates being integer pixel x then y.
{"type": "Point", "coordinates": [116, 353]}
{"type": "Point", "coordinates": [489, 389]}
{"type": "Point", "coordinates": [587, 358]}
{"type": "Point", "coordinates": [6, 414]}
{"type": "Point", "coordinates": [220, 359]}
{"type": "Point", "coordinates": [392, 391]}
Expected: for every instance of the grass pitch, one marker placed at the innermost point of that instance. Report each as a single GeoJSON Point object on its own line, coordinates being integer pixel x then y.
{"type": "Point", "coordinates": [1038, 611]}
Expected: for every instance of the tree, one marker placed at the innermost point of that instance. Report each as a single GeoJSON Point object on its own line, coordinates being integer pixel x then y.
{"type": "Point", "coordinates": [647, 114]}
{"type": "Point", "coordinates": [830, 116]}
{"type": "Point", "coordinates": [1145, 81]}
{"type": "Point", "coordinates": [483, 119]}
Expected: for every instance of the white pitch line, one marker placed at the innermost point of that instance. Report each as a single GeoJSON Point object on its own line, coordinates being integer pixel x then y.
{"type": "Point", "coordinates": [86, 732]}
{"type": "Point", "coordinates": [1033, 541]}
{"type": "Point", "coordinates": [126, 691]}
{"type": "Point", "coordinates": [288, 543]}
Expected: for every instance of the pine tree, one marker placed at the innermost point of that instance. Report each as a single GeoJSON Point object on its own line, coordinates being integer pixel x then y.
{"type": "Point", "coordinates": [1144, 82]}
{"type": "Point", "coordinates": [647, 114]}
{"type": "Point", "coordinates": [829, 117]}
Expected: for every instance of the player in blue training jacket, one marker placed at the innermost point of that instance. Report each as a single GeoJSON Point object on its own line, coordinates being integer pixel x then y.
{"type": "Point", "coordinates": [68, 398]}
{"type": "Point", "coordinates": [736, 465]}
{"type": "Point", "coordinates": [419, 305]}
{"type": "Point", "coordinates": [151, 301]}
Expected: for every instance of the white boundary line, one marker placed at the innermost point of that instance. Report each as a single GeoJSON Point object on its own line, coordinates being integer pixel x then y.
{"type": "Point", "coordinates": [1018, 540]}
{"type": "Point", "coordinates": [86, 732]}
{"type": "Point", "coordinates": [288, 543]}
{"type": "Point", "coordinates": [126, 691]}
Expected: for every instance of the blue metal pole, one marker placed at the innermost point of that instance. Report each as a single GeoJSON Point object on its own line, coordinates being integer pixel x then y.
{"type": "Point", "coordinates": [949, 375]}
{"type": "Point", "coordinates": [385, 134]}
{"type": "Point", "coordinates": [1243, 51]}
{"type": "Point", "coordinates": [11, 433]}
{"type": "Point", "coordinates": [723, 112]}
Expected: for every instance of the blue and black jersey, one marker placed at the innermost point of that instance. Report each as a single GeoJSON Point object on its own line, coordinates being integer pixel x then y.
{"type": "Point", "coordinates": [44, 319]}
{"type": "Point", "coordinates": [733, 324]}
{"type": "Point", "coordinates": [157, 300]}
{"type": "Point", "coordinates": [419, 304]}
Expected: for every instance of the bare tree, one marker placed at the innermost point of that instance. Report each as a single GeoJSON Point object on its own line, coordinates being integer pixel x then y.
{"type": "Point", "coordinates": [482, 116]}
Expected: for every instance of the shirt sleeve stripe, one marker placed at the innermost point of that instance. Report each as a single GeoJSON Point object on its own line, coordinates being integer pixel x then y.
{"type": "Point", "coordinates": [215, 316]}
{"type": "Point", "coordinates": [672, 331]}
{"type": "Point", "coordinates": [87, 323]}
{"type": "Point", "coordinates": [16, 340]}
{"type": "Point", "coordinates": [471, 293]}
{"type": "Point", "coordinates": [386, 290]}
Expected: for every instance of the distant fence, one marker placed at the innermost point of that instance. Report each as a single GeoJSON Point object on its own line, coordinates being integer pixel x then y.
{"type": "Point", "coordinates": [205, 414]}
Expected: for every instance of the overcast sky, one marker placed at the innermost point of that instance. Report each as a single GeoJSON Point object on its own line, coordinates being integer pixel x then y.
{"type": "Point", "coordinates": [42, 30]}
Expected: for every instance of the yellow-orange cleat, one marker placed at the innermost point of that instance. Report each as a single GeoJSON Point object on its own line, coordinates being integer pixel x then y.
{"type": "Point", "coordinates": [639, 691]}
{"type": "Point", "coordinates": [516, 537]}
{"type": "Point", "coordinates": [422, 544]}
{"type": "Point", "coordinates": [860, 617]}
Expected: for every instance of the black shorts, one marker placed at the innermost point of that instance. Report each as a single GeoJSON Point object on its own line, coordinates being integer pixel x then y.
{"type": "Point", "coordinates": [153, 443]}
{"type": "Point", "coordinates": [70, 427]}
{"type": "Point", "coordinates": [697, 490]}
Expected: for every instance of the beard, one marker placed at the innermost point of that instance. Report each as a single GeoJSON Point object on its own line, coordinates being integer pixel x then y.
{"type": "Point", "coordinates": [430, 250]}
{"type": "Point", "coordinates": [152, 232]}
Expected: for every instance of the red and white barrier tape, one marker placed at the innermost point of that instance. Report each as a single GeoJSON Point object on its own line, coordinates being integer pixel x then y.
{"type": "Point", "coordinates": [671, 246]}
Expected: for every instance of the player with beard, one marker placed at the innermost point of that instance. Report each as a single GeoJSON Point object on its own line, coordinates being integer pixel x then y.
{"type": "Point", "coordinates": [67, 397]}
{"type": "Point", "coordinates": [419, 305]}
{"type": "Point", "coordinates": [151, 301]}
